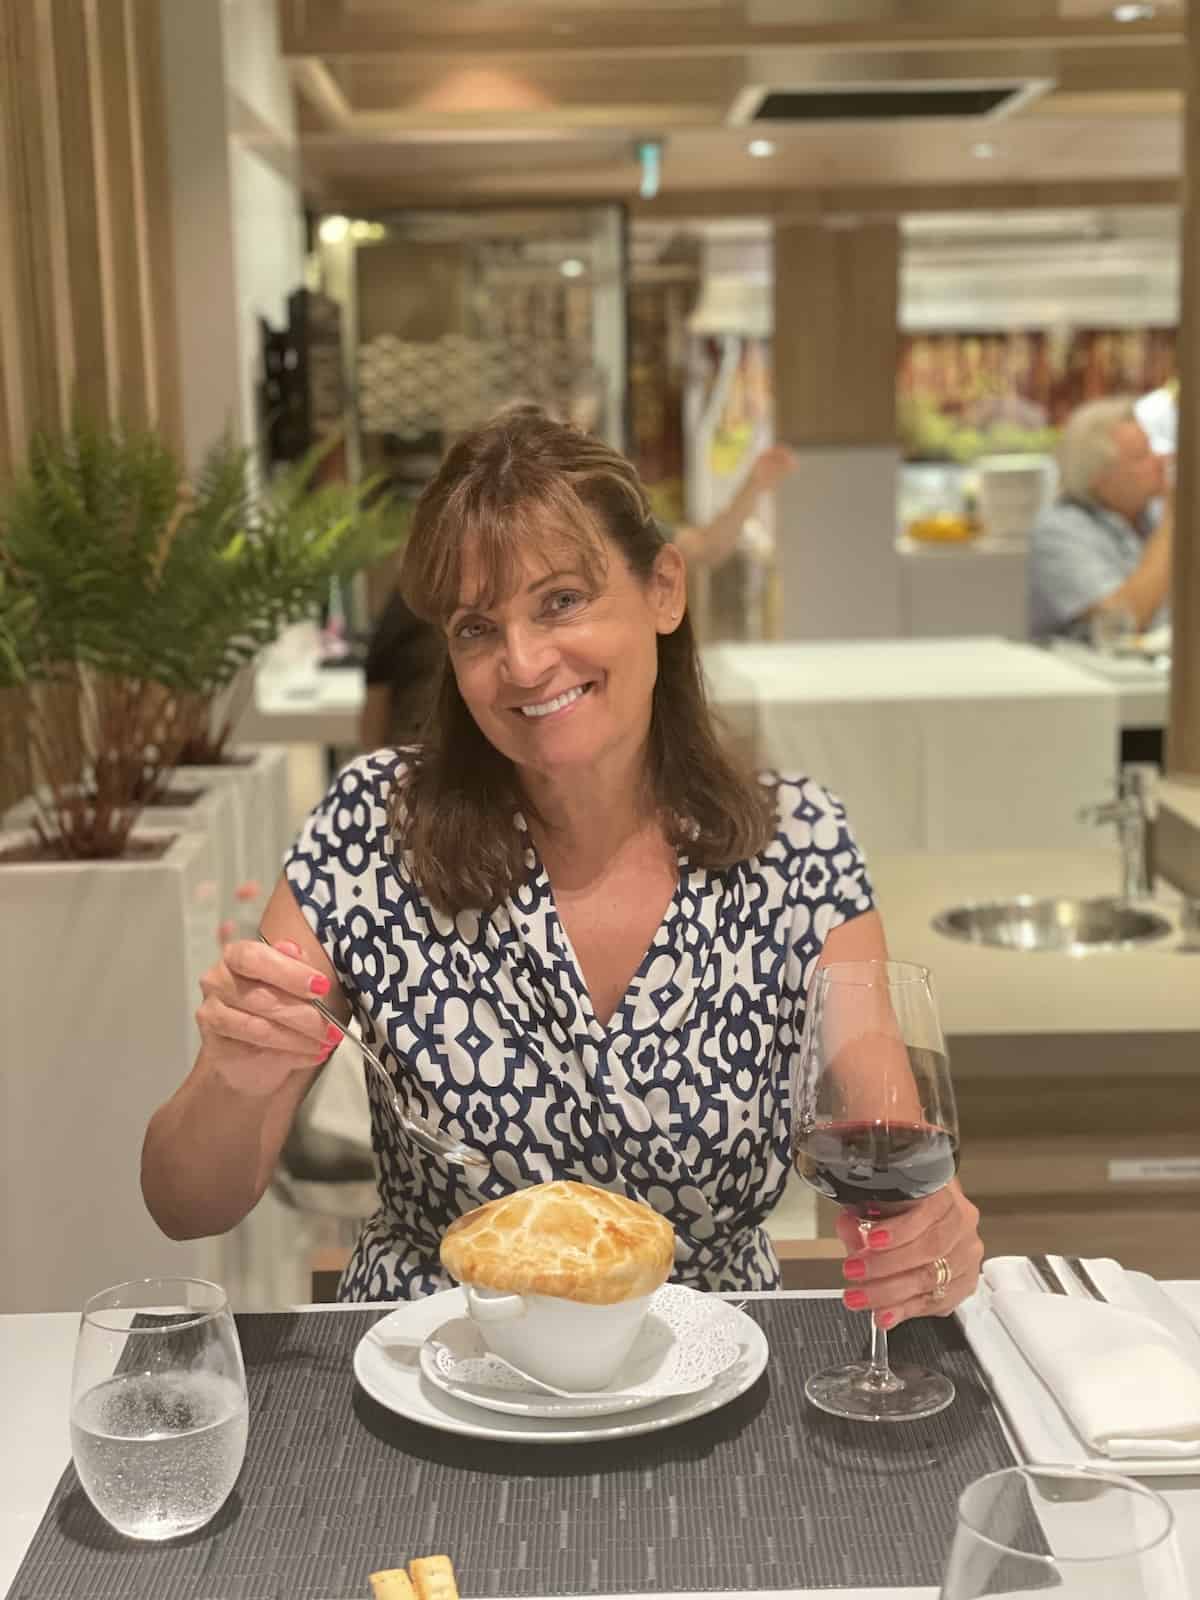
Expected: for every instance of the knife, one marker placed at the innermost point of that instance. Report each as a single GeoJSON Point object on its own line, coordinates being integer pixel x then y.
{"type": "Point", "coordinates": [1085, 1278]}
{"type": "Point", "coordinates": [1041, 1265]}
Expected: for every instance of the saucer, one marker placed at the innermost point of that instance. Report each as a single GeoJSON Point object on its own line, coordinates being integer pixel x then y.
{"type": "Point", "coordinates": [393, 1379]}
{"type": "Point", "coordinates": [686, 1342]}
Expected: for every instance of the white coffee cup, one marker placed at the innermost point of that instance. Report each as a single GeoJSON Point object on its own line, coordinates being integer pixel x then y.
{"type": "Point", "coordinates": [561, 1342]}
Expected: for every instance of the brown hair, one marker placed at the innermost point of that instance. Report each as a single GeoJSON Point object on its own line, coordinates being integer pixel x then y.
{"type": "Point", "coordinates": [511, 484]}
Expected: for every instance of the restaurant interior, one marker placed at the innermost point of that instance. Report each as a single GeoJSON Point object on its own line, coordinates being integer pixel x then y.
{"type": "Point", "coordinates": [835, 276]}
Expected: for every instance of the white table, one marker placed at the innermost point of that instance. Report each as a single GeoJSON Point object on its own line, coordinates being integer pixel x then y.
{"type": "Point", "coordinates": [300, 703]}
{"type": "Point", "coordinates": [932, 744]}
{"type": "Point", "coordinates": [36, 1353]}
{"type": "Point", "coordinates": [1142, 683]}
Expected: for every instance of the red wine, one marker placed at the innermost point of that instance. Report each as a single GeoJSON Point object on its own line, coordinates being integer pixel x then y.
{"type": "Point", "coordinates": [876, 1168]}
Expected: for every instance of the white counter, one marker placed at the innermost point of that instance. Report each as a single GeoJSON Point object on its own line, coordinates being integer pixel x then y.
{"type": "Point", "coordinates": [1142, 682]}
{"type": "Point", "coordinates": [957, 590]}
{"type": "Point", "coordinates": [933, 744]}
{"type": "Point", "coordinates": [1153, 990]}
{"type": "Point", "coordinates": [299, 703]}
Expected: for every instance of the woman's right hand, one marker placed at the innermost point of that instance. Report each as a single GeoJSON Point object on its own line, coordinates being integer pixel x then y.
{"type": "Point", "coordinates": [256, 1021]}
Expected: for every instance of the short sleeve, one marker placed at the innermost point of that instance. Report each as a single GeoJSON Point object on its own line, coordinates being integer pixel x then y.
{"type": "Point", "coordinates": [340, 847]}
{"type": "Point", "coordinates": [1070, 571]}
{"type": "Point", "coordinates": [828, 878]}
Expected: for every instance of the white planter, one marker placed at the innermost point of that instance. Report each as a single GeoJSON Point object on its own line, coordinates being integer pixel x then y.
{"type": "Point", "coordinates": [211, 813]}
{"type": "Point", "coordinates": [101, 964]}
{"type": "Point", "coordinates": [257, 780]}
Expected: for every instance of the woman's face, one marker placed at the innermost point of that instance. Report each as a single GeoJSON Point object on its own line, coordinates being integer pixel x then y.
{"type": "Point", "coordinates": [560, 675]}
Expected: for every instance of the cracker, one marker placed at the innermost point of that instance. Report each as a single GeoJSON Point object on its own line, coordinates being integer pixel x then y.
{"type": "Point", "coordinates": [433, 1578]}
{"type": "Point", "coordinates": [392, 1584]}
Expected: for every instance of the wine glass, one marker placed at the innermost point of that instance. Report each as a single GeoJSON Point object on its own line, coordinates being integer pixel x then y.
{"type": "Point", "coordinates": [1086, 1535]}
{"type": "Point", "coordinates": [158, 1405]}
{"type": "Point", "coordinates": [874, 1127]}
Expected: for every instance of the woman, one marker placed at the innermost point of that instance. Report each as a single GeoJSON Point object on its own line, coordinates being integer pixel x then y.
{"type": "Point", "coordinates": [587, 937]}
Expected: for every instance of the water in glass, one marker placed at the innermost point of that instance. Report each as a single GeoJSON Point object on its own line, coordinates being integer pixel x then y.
{"type": "Point", "coordinates": [159, 1415]}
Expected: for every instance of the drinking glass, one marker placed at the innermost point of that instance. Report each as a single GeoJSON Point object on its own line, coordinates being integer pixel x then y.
{"type": "Point", "coordinates": [158, 1405]}
{"type": "Point", "coordinates": [1084, 1535]}
{"type": "Point", "coordinates": [874, 1127]}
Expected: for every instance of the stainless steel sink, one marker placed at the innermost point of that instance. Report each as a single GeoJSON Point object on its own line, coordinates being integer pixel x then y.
{"type": "Point", "coordinates": [1069, 926]}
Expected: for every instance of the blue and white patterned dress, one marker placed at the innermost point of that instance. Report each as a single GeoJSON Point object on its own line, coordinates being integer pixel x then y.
{"type": "Point", "coordinates": [680, 1100]}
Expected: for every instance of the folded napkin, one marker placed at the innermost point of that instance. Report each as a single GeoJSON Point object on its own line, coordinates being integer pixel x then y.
{"type": "Point", "coordinates": [1126, 1374]}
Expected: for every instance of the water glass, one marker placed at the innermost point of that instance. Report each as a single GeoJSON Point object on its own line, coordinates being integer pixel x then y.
{"type": "Point", "coordinates": [1082, 1534]}
{"type": "Point", "coordinates": [158, 1405]}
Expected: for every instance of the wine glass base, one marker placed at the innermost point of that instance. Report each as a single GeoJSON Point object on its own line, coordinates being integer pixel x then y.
{"type": "Point", "coordinates": [847, 1392]}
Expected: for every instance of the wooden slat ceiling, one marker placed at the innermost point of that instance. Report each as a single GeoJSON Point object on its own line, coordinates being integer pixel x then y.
{"type": "Point", "coordinates": [403, 103]}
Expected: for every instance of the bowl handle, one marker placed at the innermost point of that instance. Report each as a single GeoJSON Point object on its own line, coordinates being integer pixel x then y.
{"type": "Point", "coordinates": [503, 1308]}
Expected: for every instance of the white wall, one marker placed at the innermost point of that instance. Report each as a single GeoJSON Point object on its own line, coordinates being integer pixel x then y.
{"type": "Point", "coordinates": [269, 262]}
{"type": "Point", "coordinates": [235, 203]}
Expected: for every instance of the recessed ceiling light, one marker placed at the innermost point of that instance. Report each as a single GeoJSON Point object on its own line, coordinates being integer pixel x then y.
{"type": "Point", "coordinates": [983, 151]}
{"type": "Point", "coordinates": [572, 267]}
{"type": "Point", "coordinates": [334, 229]}
{"type": "Point", "coordinates": [761, 147]}
{"type": "Point", "coordinates": [1132, 13]}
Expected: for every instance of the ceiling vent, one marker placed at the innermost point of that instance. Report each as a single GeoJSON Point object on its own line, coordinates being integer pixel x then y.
{"type": "Point", "coordinates": [788, 86]}
{"type": "Point", "coordinates": [886, 105]}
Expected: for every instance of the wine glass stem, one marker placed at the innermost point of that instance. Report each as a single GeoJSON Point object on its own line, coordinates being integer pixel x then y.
{"type": "Point", "coordinates": [879, 1375]}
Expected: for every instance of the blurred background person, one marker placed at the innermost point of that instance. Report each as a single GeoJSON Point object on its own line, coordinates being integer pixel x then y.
{"type": "Point", "coordinates": [405, 654]}
{"type": "Point", "coordinates": [1097, 549]}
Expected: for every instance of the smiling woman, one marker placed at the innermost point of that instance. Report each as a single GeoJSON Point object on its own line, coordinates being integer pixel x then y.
{"type": "Point", "coordinates": [572, 676]}
{"type": "Point", "coordinates": [578, 935]}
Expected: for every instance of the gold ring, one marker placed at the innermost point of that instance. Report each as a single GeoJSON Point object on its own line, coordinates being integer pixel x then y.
{"type": "Point", "coordinates": [942, 1268]}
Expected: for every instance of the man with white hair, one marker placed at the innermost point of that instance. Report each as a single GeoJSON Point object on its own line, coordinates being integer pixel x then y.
{"type": "Point", "coordinates": [1096, 548]}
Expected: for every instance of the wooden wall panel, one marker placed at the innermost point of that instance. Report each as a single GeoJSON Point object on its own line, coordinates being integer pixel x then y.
{"type": "Point", "coordinates": [81, 209]}
{"type": "Point", "coordinates": [836, 294]}
{"type": "Point", "coordinates": [87, 300]}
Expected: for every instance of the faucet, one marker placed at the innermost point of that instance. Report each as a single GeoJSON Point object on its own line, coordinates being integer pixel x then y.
{"type": "Point", "coordinates": [1133, 810]}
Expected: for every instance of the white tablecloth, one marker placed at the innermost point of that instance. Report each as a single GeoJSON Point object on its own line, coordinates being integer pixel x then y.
{"type": "Point", "coordinates": [933, 744]}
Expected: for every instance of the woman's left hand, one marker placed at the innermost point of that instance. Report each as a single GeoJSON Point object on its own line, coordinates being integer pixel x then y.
{"type": "Point", "coordinates": [895, 1275]}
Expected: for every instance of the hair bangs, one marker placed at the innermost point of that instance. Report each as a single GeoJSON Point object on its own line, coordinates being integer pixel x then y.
{"type": "Point", "coordinates": [487, 541]}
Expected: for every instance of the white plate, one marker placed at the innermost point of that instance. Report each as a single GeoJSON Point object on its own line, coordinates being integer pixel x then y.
{"type": "Point", "coordinates": [685, 1343]}
{"type": "Point", "coordinates": [393, 1377]}
{"type": "Point", "coordinates": [1042, 1430]}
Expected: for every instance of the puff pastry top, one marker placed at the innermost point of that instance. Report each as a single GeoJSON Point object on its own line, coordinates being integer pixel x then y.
{"type": "Point", "coordinates": [564, 1239]}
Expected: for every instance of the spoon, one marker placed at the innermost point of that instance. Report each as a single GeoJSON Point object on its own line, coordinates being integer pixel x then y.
{"type": "Point", "coordinates": [440, 1145]}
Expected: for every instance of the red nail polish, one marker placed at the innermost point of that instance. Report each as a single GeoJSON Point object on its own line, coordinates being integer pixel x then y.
{"type": "Point", "coordinates": [333, 1035]}
{"type": "Point", "coordinates": [319, 984]}
{"type": "Point", "coordinates": [855, 1299]}
{"type": "Point", "coordinates": [855, 1268]}
{"type": "Point", "coordinates": [886, 1319]}
{"type": "Point", "coordinates": [879, 1239]}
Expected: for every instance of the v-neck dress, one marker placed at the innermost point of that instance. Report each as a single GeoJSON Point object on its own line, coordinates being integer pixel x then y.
{"type": "Point", "coordinates": [681, 1100]}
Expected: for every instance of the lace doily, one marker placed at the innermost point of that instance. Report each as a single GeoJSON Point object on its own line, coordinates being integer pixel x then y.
{"type": "Point", "coordinates": [687, 1340]}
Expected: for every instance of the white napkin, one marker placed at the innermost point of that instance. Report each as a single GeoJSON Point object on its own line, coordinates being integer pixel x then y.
{"type": "Point", "coordinates": [1127, 1374]}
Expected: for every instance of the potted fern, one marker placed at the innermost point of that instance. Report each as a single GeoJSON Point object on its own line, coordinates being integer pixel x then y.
{"type": "Point", "coordinates": [295, 538]}
{"type": "Point", "coordinates": [121, 586]}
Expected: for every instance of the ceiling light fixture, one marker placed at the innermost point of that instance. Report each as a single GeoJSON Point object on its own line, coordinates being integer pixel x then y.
{"type": "Point", "coordinates": [333, 229]}
{"type": "Point", "coordinates": [983, 151]}
{"type": "Point", "coordinates": [761, 147]}
{"type": "Point", "coordinates": [572, 267]}
{"type": "Point", "coordinates": [1132, 13]}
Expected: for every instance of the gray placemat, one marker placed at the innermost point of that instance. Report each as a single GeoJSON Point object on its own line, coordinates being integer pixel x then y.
{"type": "Point", "coordinates": [765, 1494]}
